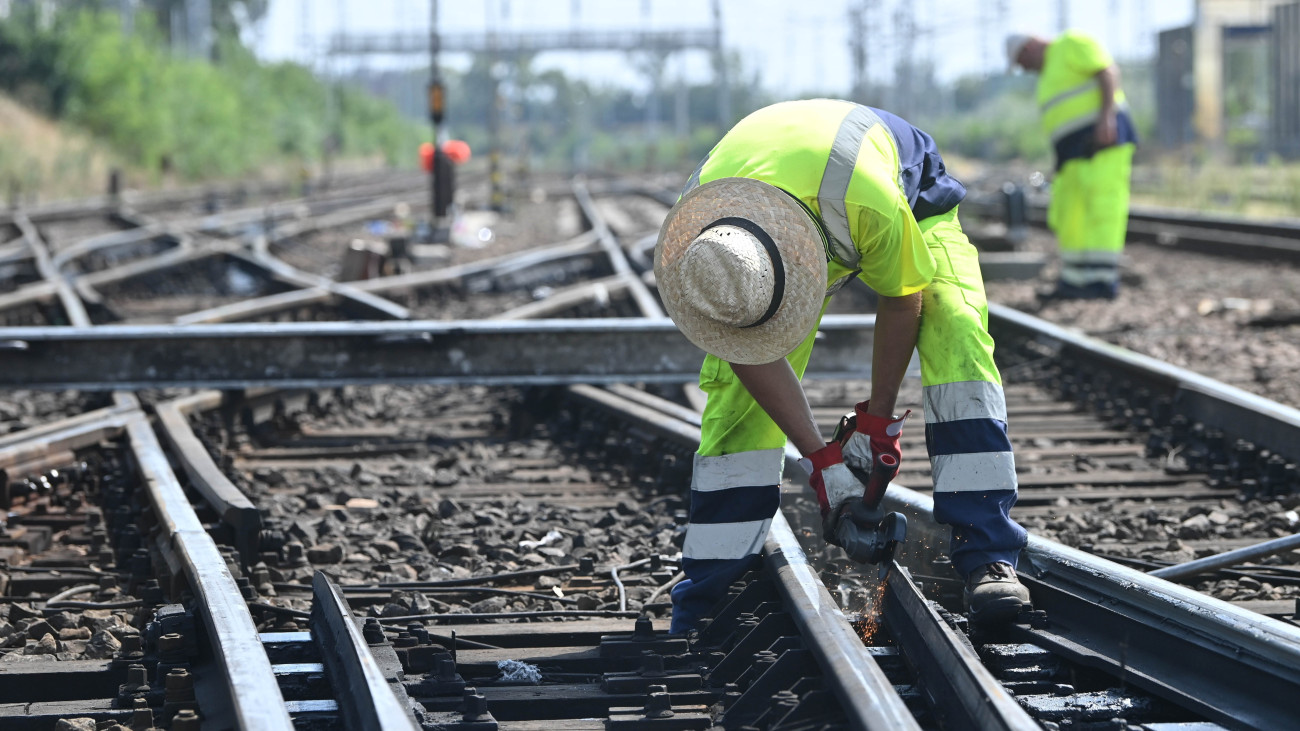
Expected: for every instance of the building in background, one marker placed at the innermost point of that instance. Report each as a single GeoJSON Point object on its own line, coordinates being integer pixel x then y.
{"type": "Point", "coordinates": [1231, 80]}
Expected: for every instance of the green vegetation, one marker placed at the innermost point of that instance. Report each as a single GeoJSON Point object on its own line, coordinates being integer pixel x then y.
{"type": "Point", "coordinates": [995, 118]}
{"type": "Point", "coordinates": [158, 111]}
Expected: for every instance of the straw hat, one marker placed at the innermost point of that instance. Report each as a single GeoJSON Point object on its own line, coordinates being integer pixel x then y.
{"type": "Point", "coordinates": [741, 268]}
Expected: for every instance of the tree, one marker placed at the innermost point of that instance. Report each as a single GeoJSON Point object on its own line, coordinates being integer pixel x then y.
{"type": "Point", "coordinates": [229, 17]}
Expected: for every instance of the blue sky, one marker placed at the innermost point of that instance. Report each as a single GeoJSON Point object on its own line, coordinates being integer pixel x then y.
{"type": "Point", "coordinates": [796, 46]}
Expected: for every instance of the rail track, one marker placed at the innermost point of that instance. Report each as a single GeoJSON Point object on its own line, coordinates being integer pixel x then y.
{"type": "Point", "coordinates": [407, 496]}
{"type": "Point", "coordinates": [1221, 235]}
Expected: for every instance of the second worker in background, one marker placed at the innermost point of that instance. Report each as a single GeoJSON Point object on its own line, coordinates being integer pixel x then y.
{"type": "Point", "coordinates": [794, 200]}
{"type": "Point", "coordinates": [1085, 114]}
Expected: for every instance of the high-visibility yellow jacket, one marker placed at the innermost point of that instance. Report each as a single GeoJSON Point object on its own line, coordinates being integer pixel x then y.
{"type": "Point", "coordinates": [866, 175]}
{"type": "Point", "coordinates": [1069, 96]}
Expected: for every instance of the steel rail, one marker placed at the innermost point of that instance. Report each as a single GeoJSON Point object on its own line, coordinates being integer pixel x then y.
{"type": "Point", "coordinates": [205, 476]}
{"type": "Point", "coordinates": [1260, 420]}
{"type": "Point", "coordinates": [169, 259]}
{"type": "Point", "coordinates": [355, 676]}
{"type": "Point", "coordinates": [951, 673]}
{"type": "Point", "coordinates": [1165, 638]}
{"type": "Point", "coordinates": [42, 292]}
{"type": "Point", "coordinates": [646, 301]}
{"type": "Point", "coordinates": [101, 205]}
{"type": "Point", "coordinates": [1234, 666]}
{"type": "Point", "coordinates": [115, 239]}
{"type": "Point", "coordinates": [1228, 559]}
{"type": "Point", "coordinates": [254, 693]}
{"type": "Point", "coordinates": [582, 246]}
{"type": "Point", "coordinates": [1190, 230]}
{"type": "Point", "coordinates": [72, 302]}
{"type": "Point", "coordinates": [77, 432]}
{"type": "Point", "coordinates": [298, 278]}
{"type": "Point", "coordinates": [72, 306]}
{"type": "Point", "coordinates": [258, 306]}
{"type": "Point", "coordinates": [563, 300]}
{"type": "Point", "coordinates": [335, 353]}
{"type": "Point", "coordinates": [868, 697]}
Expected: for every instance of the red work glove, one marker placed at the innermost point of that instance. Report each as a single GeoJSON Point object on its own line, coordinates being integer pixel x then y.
{"type": "Point", "coordinates": [870, 445]}
{"type": "Point", "coordinates": [831, 479]}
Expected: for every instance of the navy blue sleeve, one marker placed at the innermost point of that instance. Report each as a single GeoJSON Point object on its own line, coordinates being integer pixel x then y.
{"type": "Point", "coordinates": [929, 188]}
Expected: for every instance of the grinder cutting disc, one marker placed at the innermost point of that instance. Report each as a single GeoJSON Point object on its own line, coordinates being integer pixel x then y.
{"type": "Point", "coordinates": [866, 544]}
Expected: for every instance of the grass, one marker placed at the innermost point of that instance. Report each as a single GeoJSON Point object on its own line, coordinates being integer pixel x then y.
{"type": "Point", "coordinates": [41, 159]}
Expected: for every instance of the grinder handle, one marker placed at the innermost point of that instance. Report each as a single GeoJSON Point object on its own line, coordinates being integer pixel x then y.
{"type": "Point", "coordinates": [882, 473]}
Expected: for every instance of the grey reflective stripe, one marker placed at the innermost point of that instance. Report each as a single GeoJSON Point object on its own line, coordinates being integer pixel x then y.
{"type": "Point", "coordinates": [1089, 266]}
{"type": "Point", "coordinates": [1084, 275]}
{"type": "Point", "coordinates": [694, 181]}
{"type": "Point", "coordinates": [838, 284]}
{"type": "Point", "coordinates": [1090, 256]}
{"type": "Point", "coordinates": [835, 182]}
{"type": "Point", "coordinates": [964, 400]}
{"type": "Point", "coordinates": [756, 468]}
{"type": "Point", "coordinates": [1083, 88]}
{"type": "Point", "coordinates": [723, 541]}
{"type": "Point", "coordinates": [1070, 126]}
{"type": "Point", "coordinates": [976, 472]}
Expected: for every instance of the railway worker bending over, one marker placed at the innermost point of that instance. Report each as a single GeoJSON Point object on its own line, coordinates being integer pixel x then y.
{"type": "Point", "coordinates": [797, 198]}
{"type": "Point", "coordinates": [1086, 116]}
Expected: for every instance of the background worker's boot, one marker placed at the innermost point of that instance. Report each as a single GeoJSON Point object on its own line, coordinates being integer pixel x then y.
{"type": "Point", "coordinates": [994, 594]}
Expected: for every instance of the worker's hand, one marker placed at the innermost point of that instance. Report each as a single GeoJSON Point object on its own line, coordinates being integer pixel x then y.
{"type": "Point", "coordinates": [834, 484]}
{"type": "Point", "coordinates": [871, 446]}
{"type": "Point", "coordinates": [1107, 131]}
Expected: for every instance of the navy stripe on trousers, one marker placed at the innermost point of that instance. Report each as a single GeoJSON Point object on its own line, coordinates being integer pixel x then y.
{"type": "Point", "coordinates": [967, 436]}
{"type": "Point", "coordinates": [735, 505]}
{"type": "Point", "coordinates": [980, 519]}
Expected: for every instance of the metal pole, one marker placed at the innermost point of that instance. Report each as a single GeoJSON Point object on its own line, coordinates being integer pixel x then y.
{"type": "Point", "coordinates": [436, 103]}
{"type": "Point", "coordinates": [497, 195]}
{"type": "Point", "coordinates": [1226, 559]}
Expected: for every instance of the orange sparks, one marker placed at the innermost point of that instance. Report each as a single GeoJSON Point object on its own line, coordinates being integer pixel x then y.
{"type": "Point", "coordinates": [868, 622]}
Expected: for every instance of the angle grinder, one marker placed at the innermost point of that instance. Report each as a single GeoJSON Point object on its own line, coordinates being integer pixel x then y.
{"type": "Point", "coordinates": [867, 534]}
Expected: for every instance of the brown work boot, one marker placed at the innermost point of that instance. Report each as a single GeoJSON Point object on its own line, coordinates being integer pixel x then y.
{"type": "Point", "coordinates": [994, 594]}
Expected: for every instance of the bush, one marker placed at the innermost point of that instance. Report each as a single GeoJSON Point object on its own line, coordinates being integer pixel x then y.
{"type": "Point", "coordinates": [233, 117]}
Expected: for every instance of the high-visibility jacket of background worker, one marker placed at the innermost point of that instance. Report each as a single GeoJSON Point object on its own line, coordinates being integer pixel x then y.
{"type": "Point", "coordinates": [1090, 192]}
{"type": "Point", "coordinates": [888, 212]}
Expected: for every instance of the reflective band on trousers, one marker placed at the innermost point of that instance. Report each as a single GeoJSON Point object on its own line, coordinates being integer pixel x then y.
{"type": "Point", "coordinates": [979, 403]}
{"type": "Point", "coordinates": [964, 400]}
{"type": "Point", "coordinates": [1091, 274]}
{"type": "Point", "coordinates": [1089, 266]}
{"type": "Point", "coordinates": [725, 540]}
{"type": "Point", "coordinates": [976, 472]}
{"type": "Point", "coordinates": [1090, 257]}
{"type": "Point", "coordinates": [835, 182]}
{"type": "Point", "coordinates": [742, 469]}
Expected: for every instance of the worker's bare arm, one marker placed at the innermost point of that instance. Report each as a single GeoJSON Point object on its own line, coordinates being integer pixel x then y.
{"type": "Point", "coordinates": [897, 321]}
{"type": "Point", "coordinates": [776, 388]}
{"type": "Point", "coordinates": [1107, 122]}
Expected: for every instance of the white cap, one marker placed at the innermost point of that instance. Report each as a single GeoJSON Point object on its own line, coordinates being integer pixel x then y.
{"type": "Point", "coordinates": [1015, 44]}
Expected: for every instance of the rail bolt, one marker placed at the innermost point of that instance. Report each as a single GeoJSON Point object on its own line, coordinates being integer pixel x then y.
{"type": "Point", "coordinates": [373, 632]}
{"type": "Point", "coordinates": [475, 706]}
{"type": "Point", "coordinates": [185, 720]}
{"type": "Point", "coordinates": [141, 714]}
{"type": "Point", "coordinates": [786, 699]}
{"type": "Point", "coordinates": [644, 630]}
{"type": "Point", "coordinates": [180, 686]}
{"type": "Point", "coordinates": [137, 679]}
{"type": "Point", "coordinates": [658, 704]}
